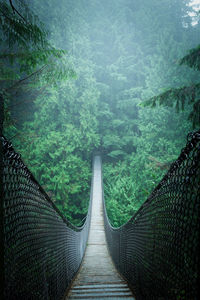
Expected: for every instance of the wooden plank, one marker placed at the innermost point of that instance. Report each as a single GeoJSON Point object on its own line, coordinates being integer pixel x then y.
{"type": "Point", "coordinates": [97, 268]}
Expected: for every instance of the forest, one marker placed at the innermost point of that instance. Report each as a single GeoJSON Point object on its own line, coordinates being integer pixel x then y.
{"type": "Point", "coordinates": [121, 77]}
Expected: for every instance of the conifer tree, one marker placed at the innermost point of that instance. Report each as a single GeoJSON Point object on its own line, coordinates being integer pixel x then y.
{"type": "Point", "coordinates": [180, 97]}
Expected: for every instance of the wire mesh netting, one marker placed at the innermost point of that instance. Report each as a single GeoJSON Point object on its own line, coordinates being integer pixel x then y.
{"type": "Point", "coordinates": [43, 251]}
{"type": "Point", "coordinates": [157, 250]}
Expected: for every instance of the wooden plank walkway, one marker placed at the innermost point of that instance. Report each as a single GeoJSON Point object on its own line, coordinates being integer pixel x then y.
{"type": "Point", "coordinates": [97, 277]}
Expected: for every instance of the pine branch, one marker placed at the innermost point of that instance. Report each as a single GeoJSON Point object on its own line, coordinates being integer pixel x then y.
{"type": "Point", "coordinates": [15, 10]}
{"type": "Point", "coordinates": [24, 101]}
{"type": "Point", "coordinates": [186, 93]}
{"type": "Point", "coordinates": [5, 16]}
{"type": "Point", "coordinates": [192, 59]}
{"type": "Point", "coordinates": [23, 79]}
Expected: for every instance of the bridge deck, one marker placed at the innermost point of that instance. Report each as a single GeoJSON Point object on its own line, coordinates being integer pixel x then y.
{"type": "Point", "coordinates": [98, 278]}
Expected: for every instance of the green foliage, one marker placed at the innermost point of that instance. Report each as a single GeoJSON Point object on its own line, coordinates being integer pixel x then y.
{"type": "Point", "coordinates": [192, 59]}
{"type": "Point", "coordinates": [179, 97]}
{"type": "Point", "coordinates": [58, 145]}
{"type": "Point", "coordinates": [121, 55]}
{"type": "Point", "coordinates": [19, 30]}
{"type": "Point", "coordinates": [28, 62]}
{"type": "Point", "coordinates": [26, 50]}
{"type": "Point", "coordinates": [142, 142]}
{"type": "Point", "coordinates": [130, 181]}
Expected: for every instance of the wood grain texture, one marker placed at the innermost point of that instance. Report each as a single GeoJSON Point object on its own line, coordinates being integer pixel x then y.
{"type": "Point", "coordinates": [98, 278]}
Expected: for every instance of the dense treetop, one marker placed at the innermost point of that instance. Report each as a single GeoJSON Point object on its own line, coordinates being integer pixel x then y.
{"type": "Point", "coordinates": [83, 75]}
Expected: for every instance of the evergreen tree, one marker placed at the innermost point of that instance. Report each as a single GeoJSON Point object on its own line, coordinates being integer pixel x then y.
{"type": "Point", "coordinates": [28, 60]}
{"type": "Point", "coordinates": [181, 97]}
{"type": "Point", "coordinates": [123, 52]}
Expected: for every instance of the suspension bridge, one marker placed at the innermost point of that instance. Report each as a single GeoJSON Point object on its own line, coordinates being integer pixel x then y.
{"type": "Point", "coordinates": [155, 255]}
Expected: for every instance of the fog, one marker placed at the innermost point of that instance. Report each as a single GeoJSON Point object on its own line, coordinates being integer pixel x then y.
{"type": "Point", "coordinates": [120, 58]}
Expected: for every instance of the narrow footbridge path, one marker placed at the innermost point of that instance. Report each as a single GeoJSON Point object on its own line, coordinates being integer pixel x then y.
{"type": "Point", "coordinates": [98, 278]}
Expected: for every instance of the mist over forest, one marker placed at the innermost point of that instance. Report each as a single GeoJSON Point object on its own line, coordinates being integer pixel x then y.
{"type": "Point", "coordinates": [116, 76]}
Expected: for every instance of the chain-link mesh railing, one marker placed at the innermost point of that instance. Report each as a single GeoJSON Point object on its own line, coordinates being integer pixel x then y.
{"type": "Point", "coordinates": [157, 250]}
{"type": "Point", "coordinates": [43, 251]}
